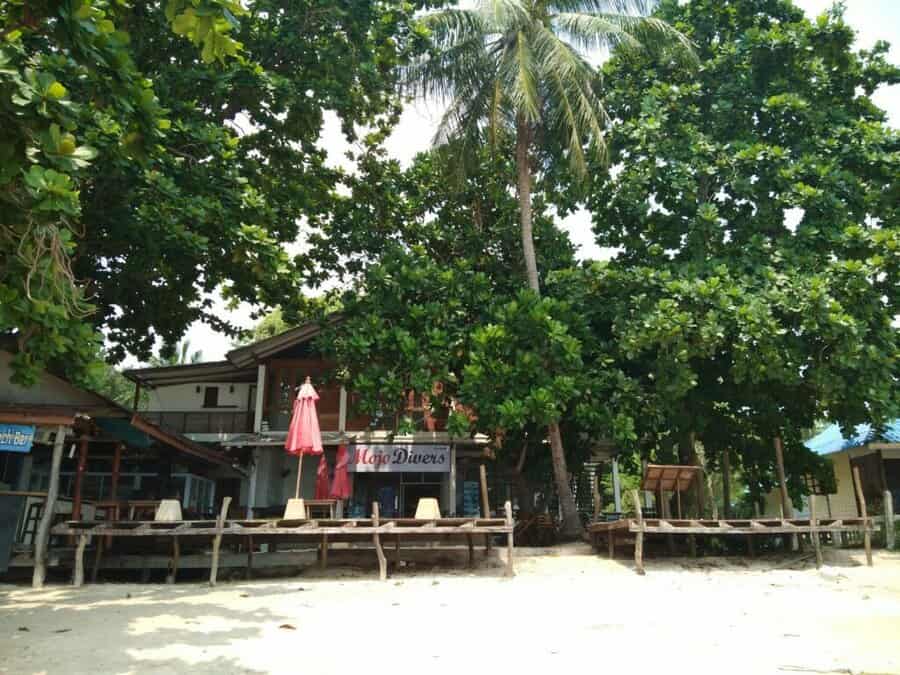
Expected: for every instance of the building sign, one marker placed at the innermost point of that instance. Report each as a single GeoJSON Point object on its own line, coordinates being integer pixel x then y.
{"type": "Point", "coordinates": [16, 437]}
{"type": "Point", "coordinates": [393, 457]}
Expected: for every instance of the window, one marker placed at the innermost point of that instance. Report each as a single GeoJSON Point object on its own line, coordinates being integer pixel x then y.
{"type": "Point", "coordinates": [211, 397]}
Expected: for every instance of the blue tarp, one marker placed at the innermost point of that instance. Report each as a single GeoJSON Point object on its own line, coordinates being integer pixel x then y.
{"type": "Point", "coordinates": [831, 439]}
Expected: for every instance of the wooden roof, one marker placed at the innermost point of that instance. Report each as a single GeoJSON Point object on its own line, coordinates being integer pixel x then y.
{"type": "Point", "coordinates": [668, 477]}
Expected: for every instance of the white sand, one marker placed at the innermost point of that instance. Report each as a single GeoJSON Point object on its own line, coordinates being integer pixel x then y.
{"type": "Point", "coordinates": [572, 613]}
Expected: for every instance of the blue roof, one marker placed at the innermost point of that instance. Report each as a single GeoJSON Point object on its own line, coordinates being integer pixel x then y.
{"type": "Point", "coordinates": [831, 440]}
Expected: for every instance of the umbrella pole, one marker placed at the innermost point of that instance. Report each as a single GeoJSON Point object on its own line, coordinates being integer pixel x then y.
{"type": "Point", "coordinates": [299, 470]}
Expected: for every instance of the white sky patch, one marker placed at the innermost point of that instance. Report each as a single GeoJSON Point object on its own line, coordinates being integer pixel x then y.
{"type": "Point", "coordinates": [873, 19]}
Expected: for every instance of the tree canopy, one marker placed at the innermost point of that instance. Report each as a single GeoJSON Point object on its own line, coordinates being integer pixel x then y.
{"type": "Point", "coordinates": [754, 205]}
{"type": "Point", "coordinates": [153, 155]}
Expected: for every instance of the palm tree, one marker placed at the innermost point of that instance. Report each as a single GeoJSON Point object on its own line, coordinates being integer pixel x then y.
{"type": "Point", "coordinates": [181, 356]}
{"type": "Point", "coordinates": [517, 68]}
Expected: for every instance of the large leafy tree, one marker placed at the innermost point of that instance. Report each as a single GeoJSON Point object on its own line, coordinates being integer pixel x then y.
{"type": "Point", "coordinates": [154, 154]}
{"type": "Point", "coordinates": [69, 91]}
{"type": "Point", "coordinates": [443, 258]}
{"type": "Point", "coordinates": [518, 69]}
{"type": "Point", "coordinates": [754, 202]}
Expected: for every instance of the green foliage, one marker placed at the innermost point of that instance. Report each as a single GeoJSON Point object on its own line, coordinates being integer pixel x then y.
{"type": "Point", "coordinates": [153, 154]}
{"type": "Point", "coordinates": [505, 66]}
{"type": "Point", "coordinates": [526, 346]}
{"type": "Point", "coordinates": [741, 325]}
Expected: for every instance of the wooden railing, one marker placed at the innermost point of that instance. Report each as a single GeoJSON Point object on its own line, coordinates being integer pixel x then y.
{"type": "Point", "coordinates": [203, 422]}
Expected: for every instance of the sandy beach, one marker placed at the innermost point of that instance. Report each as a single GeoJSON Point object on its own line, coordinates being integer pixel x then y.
{"type": "Point", "coordinates": [562, 611]}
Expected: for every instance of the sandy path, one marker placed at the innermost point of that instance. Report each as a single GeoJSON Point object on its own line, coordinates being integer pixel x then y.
{"type": "Point", "coordinates": [559, 612]}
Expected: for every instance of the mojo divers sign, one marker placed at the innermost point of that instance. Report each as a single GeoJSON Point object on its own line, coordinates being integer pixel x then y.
{"type": "Point", "coordinates": [393, 457]}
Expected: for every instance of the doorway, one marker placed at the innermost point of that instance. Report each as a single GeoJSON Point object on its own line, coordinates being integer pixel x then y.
{"type": "Point", "coordinates": [411, 493]}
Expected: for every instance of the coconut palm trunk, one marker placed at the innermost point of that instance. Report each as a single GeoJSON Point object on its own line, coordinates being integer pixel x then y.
{"type": "Point", "coordinates": [571, 525]}
{"type": "Point", "coordinates": [513, 67]}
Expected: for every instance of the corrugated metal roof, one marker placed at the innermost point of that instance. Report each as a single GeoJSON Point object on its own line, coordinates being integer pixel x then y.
{"type": "Point", "coordinates": [832, 440]}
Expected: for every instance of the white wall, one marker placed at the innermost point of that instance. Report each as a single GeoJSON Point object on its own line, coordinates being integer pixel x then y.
{"type": "Point", "coordinates": [186, 397]}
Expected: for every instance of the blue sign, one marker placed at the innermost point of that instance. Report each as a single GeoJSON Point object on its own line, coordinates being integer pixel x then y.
{"type": "Point", "coordinates": [16, 437]}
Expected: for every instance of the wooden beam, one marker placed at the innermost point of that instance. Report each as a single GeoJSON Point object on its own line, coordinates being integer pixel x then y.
{"type": "Point", "coordinates": [814, 532]}
{"type": "Point", "coordinates": [379, 552]}
{"type": "Point", "coordinates": [217, 540]}
{"type": "Point", "coordinates": [507, 510]}
{"type": "Point", "coordinates": [260, 398]}
{"type": "Point", "coordinates": [40, 419]}
{"type": "Point", "coordinates": [617, 486]}
{"type": "Point", "coordinates": [78, 575]}
{"type": "Point", "coordinates": [782, 481]}
{"type": "Point", "coordinates": [639, 536]}
{"type": "Point", "coordinates": [867, 534]}
{"type": "Point", "coordinates": [79, 477]}
{"type": "Point", "coordinates": [485, 502]}
{"type": "Point", "coordinates": [42, 539]}
{"type": "Point", "coordinates": [726, 482]}
{"type": "Point", "coordinates": [116, 470]}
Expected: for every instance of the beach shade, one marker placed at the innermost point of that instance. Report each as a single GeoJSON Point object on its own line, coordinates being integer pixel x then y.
{"type": "Point", "coordinates": [340, 486]}
{"type": "Point", "coordinates": [303, 436]}
{"type": "Point", "coordinates": [322, 479]}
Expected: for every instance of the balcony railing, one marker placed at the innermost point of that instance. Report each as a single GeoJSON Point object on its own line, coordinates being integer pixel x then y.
{"type": "Point", "coordinates": [203, 422]}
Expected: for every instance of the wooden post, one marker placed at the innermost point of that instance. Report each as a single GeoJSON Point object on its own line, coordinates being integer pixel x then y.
{"type": "Point", "coordinates": [451, 492]}
{"type": "Point", "coordinates": [814, 531]}
{"type": "Point", "coordinates": [116, 470]}
{"type": "Point", "coordinates": [890, 533]}
{"type": "Point", "coordinates": [250, 557]}
{"type": "Point", "coordinates": [701, 493]}
{"type": "Point", "coordinates": [260, 402]}
{"type": "Point", "coordinates": [617, 486]}
{"type": "Point", "coordinates": [751, 550]}
{"type": "Point", "coordinates": [137, 396]}
{"type": "Point", "coordinates": [255, 459]}
{"type": "Point", "coordinates": [382, 561]}
{"type": "Point", "coordinates": [79, 476]}
{"type": "Point", "coordinates": [611, 543]}
{"type": "Point", "coordinates": [42, 539]}
{"type": "Point", "coordinates": [867, 532]}
{"type": "Point", "coordinates": [98, 554]}
{"type": "Point", "coordinates": [726, 483]}
{"type": "Point", "coordinates": [397, 551]}
{"type": "Point", "coordinates": [639, 536]}
{"type": "Point", "coordinates": [78, 576]}
{"type": "Point", "coordinates": [598, 499]}
{"type": "Point", "coordinates": [217, 540]}
{"type": "Point", "coordinates": [786, 504]}
{"type": "Point", "coordinates": [485, 502]}
{"type": "Point", "coordinates": [471, 550]}
{"type": "Point", "coordinates": [507, 509]}
{"type": "Point", "coordinates": [323, 560]}
{"type": "Point", "coordinates": [787, 507]}
{"type": "Point", "coordinates": [173, 563]}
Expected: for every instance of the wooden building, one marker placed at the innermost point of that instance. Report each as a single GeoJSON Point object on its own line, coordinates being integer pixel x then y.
{"type": "Point", "coordinates": [242, 405]}
{"type": "Point", "coordinates": [69, 453]}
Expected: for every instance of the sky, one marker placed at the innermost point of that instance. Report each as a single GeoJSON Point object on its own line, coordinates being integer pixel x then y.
{"type": "Point", "coordinates": [873, 20]}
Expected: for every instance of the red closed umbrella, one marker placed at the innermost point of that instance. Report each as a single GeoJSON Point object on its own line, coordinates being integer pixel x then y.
{"type": "Point", "coordinates": [340, 486]}
{"type": "Point", "coordinates": [322, 479]}
{"type": "Point", "coordinates": [304, 437]}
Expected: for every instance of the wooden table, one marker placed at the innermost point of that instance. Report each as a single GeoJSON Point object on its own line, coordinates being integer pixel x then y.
{"type": "Point", "coordinates": [327, 505]}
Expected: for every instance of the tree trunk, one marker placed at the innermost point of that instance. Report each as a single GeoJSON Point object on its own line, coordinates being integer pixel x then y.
{"type": "Point", "coordinates": [571, 526]}
{"type": "Point", "coordinates": [726, 482]}
{"type": "Point", "coordinates": [523, 169]}
{"type": "Point", "coordinates": [782, 482]}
